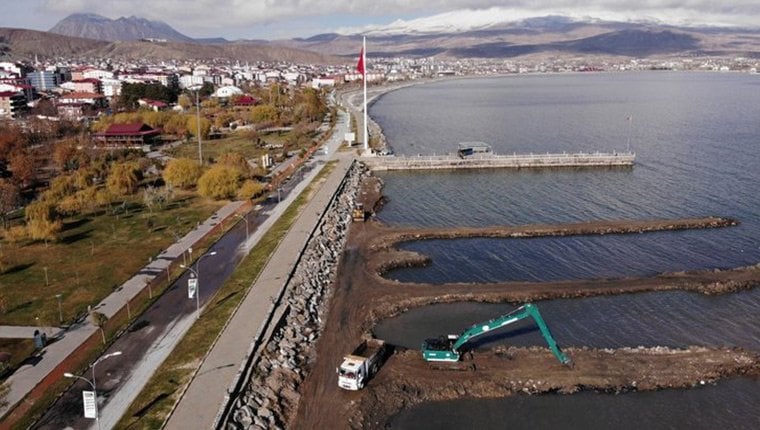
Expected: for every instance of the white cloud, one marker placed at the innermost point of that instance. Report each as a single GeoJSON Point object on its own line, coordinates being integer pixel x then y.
{"type": "Point", "coordinates": [216, 17]}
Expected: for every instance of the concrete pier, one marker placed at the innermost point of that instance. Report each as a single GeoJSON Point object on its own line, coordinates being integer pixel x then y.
{"type": "Point", "coordinates": [489, 161]}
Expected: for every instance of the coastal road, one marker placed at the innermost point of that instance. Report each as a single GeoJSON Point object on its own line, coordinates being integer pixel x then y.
{"type": "Point", "coordinates": [201, 403]}
{"type": "Point", "coordinates": [151, 338]}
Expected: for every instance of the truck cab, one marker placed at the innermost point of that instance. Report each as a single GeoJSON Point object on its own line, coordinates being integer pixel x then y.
{"type": "Point", "coordinates": [358, 367]}
{"type": "Point", "coordinates": [352, 373]}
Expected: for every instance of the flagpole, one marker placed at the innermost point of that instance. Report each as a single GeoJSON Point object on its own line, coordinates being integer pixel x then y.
{"type": "Point", "coordinates": [364, 79]}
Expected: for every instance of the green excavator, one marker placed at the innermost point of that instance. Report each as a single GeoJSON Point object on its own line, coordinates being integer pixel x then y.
{"type": "Point", "coordinates": [448, 348]}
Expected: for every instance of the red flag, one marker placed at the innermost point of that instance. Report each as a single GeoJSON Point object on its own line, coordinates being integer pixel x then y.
{"type": "Point", "coordinates": [360, 65]}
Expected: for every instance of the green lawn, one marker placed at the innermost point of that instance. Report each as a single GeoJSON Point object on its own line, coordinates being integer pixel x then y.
{"type": "Point", "coordinates": [95, 255]}
{"type": "Point", "coordinates": [239, 142]}
{"type": "Point", "coordinates": [19, 350]}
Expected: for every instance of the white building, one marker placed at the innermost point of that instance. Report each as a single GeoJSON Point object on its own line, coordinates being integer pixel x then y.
{"type": "Point", "coordinates": [187, 81]}
{"type": "Point", "coordinates": [111, 87]}
{"type": "Point", "coordinates": [318, 83]}
{"type": "Point", "coordinates": [10, 68]}
{"type": "Point", "coordinates": [97, 74]}
{"type": "Point", "coordinates": [227, 92]}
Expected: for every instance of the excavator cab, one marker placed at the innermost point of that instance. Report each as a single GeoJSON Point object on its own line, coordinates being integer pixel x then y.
{"type": "Point", "coordinates": [440, 348]}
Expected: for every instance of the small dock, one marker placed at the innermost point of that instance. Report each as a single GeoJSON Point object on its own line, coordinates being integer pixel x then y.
{"type": "Point", "coordinates": [493, 161]}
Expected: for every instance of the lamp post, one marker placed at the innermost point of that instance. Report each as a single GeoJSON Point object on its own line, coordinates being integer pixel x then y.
{"type": "Point", "coordinates": [197, 89]}
{"type": "Point", "coordinates": [246, 223]}
{"type": "Point", "coordinates": [197, 273]}
{"type": "Point", "coordinates": [60, 310]}
{"type": "Point", "coordinates": [92, 383]}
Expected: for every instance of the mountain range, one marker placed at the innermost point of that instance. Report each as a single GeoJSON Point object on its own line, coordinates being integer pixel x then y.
{"type": "Point", "coordinates": [550, 35]}
{"type": "Point", "coordinates": [94, 36]}
{"type": "Point", "coordinates": [92, 26]}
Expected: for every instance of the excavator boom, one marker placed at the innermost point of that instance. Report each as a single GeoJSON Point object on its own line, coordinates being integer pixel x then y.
{"type": "Point", "coordinates": [448, 349]}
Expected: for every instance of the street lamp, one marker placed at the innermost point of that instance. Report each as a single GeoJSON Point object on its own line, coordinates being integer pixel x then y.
{"type": "Point", "coordinates": [60, 310]}
{"type": "Point", "coordinates": [246, 223]}
{"type": "Point", "coordinates": [197, 273]}
{"type": "Point", "coordinates": [197, 89]}
{"type": "Point", "coordinates": [93, 384]}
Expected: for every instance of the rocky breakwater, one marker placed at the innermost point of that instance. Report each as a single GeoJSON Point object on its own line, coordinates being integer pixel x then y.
{"type": "Point", "coordinates": [272, 393]}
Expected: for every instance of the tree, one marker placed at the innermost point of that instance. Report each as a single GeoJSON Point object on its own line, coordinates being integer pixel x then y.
{"type": "Point", "coordinates": [223, 120]}
{"type": "Point", "coordinates": [99, 319]}
{"type": "Point", "coordinates": [264, 114]}
{"type": "Point", "coordinates": [250, 190]}
{"type": "Point", "coordinates": [182, 172]}
{"type": "Point", "coordinates": [44, 229]}
{"type": "Point", "coordinates": [40, 210]}
{"type": "Point", "coordinates": [219, 182]}
{"type": "Point", "coordinates": [60, 187]}
{"type": "Point", "coordinates": [67, 156]}
{"type": "Point", "coordinates": [11, 140]}
{"type": "Point", "coordinates": [176, 125]}
{"type": "Point", "coordinates": [235, 160]}
{"type": "Point", "coordinates": [156, 196]}
{"type": "Point", "coordinates": [10, 199]}
{"type": "Point", "coordinates": [70, 205]}
{"type": "Point", "coordinates": [131, 93]}
{"type": "Point", "coordinates": [24, 168]}
{"type": "Point", "coordinates": [123, 178]}
{"type": "Point", "coordinates": [192, 126]}
{"type": "Point", "coordinates": [184, 101]}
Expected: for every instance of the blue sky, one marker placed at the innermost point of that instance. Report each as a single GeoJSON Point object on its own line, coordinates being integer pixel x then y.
{"type": "Point", "coordinates": [276, 19]}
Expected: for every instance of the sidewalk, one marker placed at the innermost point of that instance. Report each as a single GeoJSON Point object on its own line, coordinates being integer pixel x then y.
{"type": "Point", "coordinates": [208, 391]}
{"type": "Point", "coordinates": [26, 332]}
{"type": "Point", "coordinates": [25, 379]}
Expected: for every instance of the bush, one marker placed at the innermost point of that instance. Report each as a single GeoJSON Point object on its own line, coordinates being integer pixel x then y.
{"type": "Point", "coordinates": [219, 182]}
{"type": "Point", "coordinates": [250, 189]}
{"type": "Point", "coordinates": [182, 172]}
{"type": "Point", "coordinates": [16, 234]}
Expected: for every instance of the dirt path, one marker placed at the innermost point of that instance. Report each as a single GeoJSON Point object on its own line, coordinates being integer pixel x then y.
{"type": "Point", "coordinates": [361, 297]}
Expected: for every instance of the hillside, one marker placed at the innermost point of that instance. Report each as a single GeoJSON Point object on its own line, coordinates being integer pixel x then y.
{"type": "Point", "coordinates": [548, 36]}
{"type": "Point", "coordinates": [20, 44]}
{"type": "Point", "coordinates": [98, 27]}
{"type": "Point", "coordinates": [25, 44]}
{"type": "Point", "coordinates": [243, 51]}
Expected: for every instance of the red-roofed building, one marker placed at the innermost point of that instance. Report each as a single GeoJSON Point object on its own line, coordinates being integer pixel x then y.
{"type": "Point", "coordinates": [134, 135]}
{"type": "Point", "coordinates": [155, 105]}
{"type": "Point", "coordinates": [245, 101]}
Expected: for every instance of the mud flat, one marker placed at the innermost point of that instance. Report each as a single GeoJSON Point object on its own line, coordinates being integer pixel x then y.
{"type": "Point", "coordinates": [360, 297]}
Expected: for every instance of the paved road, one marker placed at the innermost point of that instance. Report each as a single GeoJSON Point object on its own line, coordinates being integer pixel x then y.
{"type": "Point", "coordinates": [208, 391]}
{"type": "Point", "coordinates": [29, 376]}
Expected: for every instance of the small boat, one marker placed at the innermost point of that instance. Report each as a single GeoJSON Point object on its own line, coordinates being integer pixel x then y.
{"type": "Point", "coordinates": [466, 149]}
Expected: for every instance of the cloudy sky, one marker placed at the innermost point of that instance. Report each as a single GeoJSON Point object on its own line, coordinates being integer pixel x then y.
{"type": "Point", "coordinates": [274, 19]}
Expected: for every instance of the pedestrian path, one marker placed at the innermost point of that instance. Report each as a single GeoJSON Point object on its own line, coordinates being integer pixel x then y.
{"type": "Point", "coordinates": [26, 332]}
{"type": "Point", "coordinates": [26, 378]}
{"type": "Point", "coordinates": [208, 391]}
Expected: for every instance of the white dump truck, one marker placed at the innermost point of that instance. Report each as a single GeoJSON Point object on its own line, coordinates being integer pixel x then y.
{"type": "Point", "coordinates": [359, 367]}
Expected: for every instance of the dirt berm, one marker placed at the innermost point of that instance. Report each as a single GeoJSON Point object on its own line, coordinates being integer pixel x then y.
{"type": "Point", "coordinates": [361, 297]}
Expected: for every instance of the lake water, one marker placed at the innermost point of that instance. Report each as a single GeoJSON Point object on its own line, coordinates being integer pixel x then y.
{"type": "Point", "coordinates": [696, 137]}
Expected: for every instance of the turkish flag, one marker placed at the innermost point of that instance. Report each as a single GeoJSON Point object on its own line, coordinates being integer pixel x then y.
{"type": "Point", "coordinates": [360, 65]}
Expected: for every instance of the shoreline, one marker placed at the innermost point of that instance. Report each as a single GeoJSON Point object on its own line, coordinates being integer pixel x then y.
{"type": "Point", "coordinates": [359, 297]}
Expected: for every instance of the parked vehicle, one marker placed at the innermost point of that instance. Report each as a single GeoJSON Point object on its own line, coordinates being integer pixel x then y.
{"type": "Point", "coordinates": [361, 365]}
